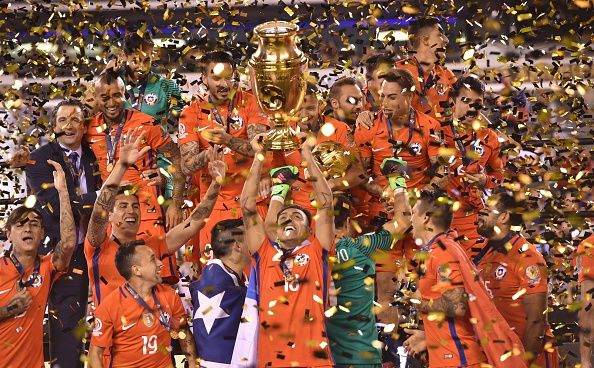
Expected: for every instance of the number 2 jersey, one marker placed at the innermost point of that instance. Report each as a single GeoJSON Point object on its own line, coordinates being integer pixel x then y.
{"type": "Point", "coordinates": [292, 330]}
{"type": "Point", "coordinates": [135, 336]}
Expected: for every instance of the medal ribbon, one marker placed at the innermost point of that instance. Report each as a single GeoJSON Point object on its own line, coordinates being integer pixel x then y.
{"type": "Point", "coordinates": [217, 114]}
{"type": "Point", "coordinates": [112, 146]}
{"type": "Point", "coordinates": [21, 270]}
{"type": "Point", "coordinates": [465, 159]}
{"type": "Point", "coordinates": [141, 301]}
{"type": "Point", "coordinates": [411, 128]}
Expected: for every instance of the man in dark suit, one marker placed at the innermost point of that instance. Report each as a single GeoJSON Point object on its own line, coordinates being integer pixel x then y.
{"type": "Point", "coordinates": [69, 295]}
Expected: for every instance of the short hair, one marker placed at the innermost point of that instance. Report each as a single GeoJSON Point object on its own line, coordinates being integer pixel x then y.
{"type": "Point", "coordinates": [341, 82]}
{"type": "Point", "coordinates": [403, 77]}
{"type": "Point", "coordinates": [298, 207]}
{"type": "Point", "coordinates": [18, 214]}
{"type": "Point", "coordinates": [471, 82]}
{"type": "Point", "coordinates": [222, 57]}
{"type": "Point", "coordinates": [374, 61]}
{"type": "Point", "coordinates": [311, 89]}
{"type": "Point", "coordinates": [437, 205]}
{"type": "Point", "coordinates": [68, 102]}
{"type": "Point", "coordinates": [133, 42]}
{"type": "Point", "coordinates": [342, 210]}
{"type": "Point", "coordinates": [417, 26]}
{"type": "Point", "coordinates": [219, 248]}
{"type": "Point", "coordinates": [109, 76]}
{"type": "Point", "coordinates": [507, 202]}
{"type": "Point", "coordinates": [124, 258]}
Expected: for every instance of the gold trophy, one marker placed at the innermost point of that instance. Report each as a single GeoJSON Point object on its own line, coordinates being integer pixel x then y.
{"type": "Point", "coordinates": [278, 73]}
{"type": "Point", "coordinates": [332, 158]}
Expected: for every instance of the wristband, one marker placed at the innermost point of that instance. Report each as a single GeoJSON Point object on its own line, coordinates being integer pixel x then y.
{"type": "Point", "coordinates": [397, 182]}
{"type": "Point", "coordinates": [280, 190]}
{"type": "Point", "coordinates": [284, 174]}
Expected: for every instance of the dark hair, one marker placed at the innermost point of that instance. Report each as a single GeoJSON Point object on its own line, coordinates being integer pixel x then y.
{"type": "Point", "coordinates": [417, 26]}
{"type": "Point", "coordinates": [311, 89]}
{"type": "Point", "coordinates": [374, 61]}
{"type": "Point", "coordinates": [69, 102]}
{"type": "Point", "coordinates": [217, 57]}
{"type": "Point", "coordinates": [134, 42]}
{"type": "Point", "coordinates": [219, 248]}
{"type": "Point", "coordinates": [341, 82]}
{"type": "Point", "coordinates": [404, 78]}
{"type": "Point", "coordinates": [298, 207]}
{"type": "Point", "coordinates": [507, 202]}
{"type": "Point", "coordinates": [125, 257]}
{"type": "Point", "coordinates": [18, 214]}
{"type": "Point", "coordinates": [471, 82]}
{"type": "Point", "coordinates": [109, 76]}
{"type": "Point", "coordinates": [342, 210]}
{"type": "Point", "coordinates": [438, 206]}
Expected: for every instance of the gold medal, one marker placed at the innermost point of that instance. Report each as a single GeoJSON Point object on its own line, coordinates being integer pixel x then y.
{"type": "Point", "coordinates": [109, 167]}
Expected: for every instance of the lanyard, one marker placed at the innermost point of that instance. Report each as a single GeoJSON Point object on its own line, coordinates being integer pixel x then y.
{"type": "Point", "coordinates": [112, 146]}
{"type": "Point", "coordinates": [165, 321]}
{"type": "Point", "coordinates": [430, 242]}
{"type": "Point", "coordinates": [21, 270]}
{"type": "Point", "coordinates": [465, 159]}
{"type": "Point", "coordinates": [217, 114]}
{"type": "Point", "coordinates": [425, 85]}
{"type": "Point", "coordinates": [411, 128]}
{"type": "Point", "coordinates": [286, 254]}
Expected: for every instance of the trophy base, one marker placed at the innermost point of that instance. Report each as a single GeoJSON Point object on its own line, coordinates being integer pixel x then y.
{"type": "Point", "coordinates": [281, 139]}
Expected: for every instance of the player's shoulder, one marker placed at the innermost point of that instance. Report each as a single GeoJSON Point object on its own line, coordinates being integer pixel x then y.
{"type": "Point", "coordinates": [586, 246]}
{"type": "Point", "coordinates": [337, 124]}
{"type": "Point", "coordinates": [427, 121]}
{"type": "Point", "coordinates": [165, 291]}
{"type": "Point", "coordinates": [446, 73]}
{"type": "Point", "coordinates": [114, 299]}
{"type": "Point", "coordinates": [137, 118]}
{"type": "Point", "coordinates": [406, 64]}
{"type": "Point", "coordinates": [525, 252]}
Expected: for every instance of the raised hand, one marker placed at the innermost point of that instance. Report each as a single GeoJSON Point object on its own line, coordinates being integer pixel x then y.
{"type": "Point", "coordinates": [19, 303]}
{"type": "Point", "coordinates": [129, 152]}
{"type": "Point", "coordinates": [257, 143]}
{"type": "Point", "coordinates": [19, 158]}
{"type": "Point", "coordinates": [216, 136]}
{"type": "Point", "coordinates": [59, 177]}
{"type": "Point", "coordinates": [365, 120]}
{"type": "Point", "coordinates": [216, 166]}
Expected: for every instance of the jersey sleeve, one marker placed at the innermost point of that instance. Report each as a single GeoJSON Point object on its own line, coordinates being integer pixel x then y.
{"type": "Point", "coordinates": [369, 243]}
{"type": "Point", "coordinates": [494, 163]}
{"type": "Point", "coordinates": [54, 273]}
{"type": "Point", "coordinates": [102, 335]}
{"type": "Point", "coordinates": [532, 272]}
{"type": "Point", "coordinates": [188, 124]}
{"type": "Point", "coordinates": [446, 271]}
{"type": "Point", "coordinates": [178, 313]}
{"type": "Point", "coordinates": [363, 142]}
{"type": "Point", "coordinates": [155, 137]}
{"type": "Point", "coordinates": [585, 260]}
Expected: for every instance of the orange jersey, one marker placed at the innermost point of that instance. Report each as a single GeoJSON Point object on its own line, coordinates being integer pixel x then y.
{"type": "Point", "coordinates": [586, 259]}
{"type": "Point", "coordinates": [22, 336]}
{"type": "Point", "coordinates": [200, 116]}
{"type": "Point", "coordinates": [433, 90]}
{"type": "Point", "coordinates": [522, 269]}
{"type": "Point", "coordinates": [292, 322]}
{"type": "Point", "coordinates": [96, 137]}
{"type": "Point", "coordinates": [134, 335]}
{"type": "Point", "coordinates": [302, 189]}
{"type": "Point", "coordinates": [103, 274]}
{"type": "Point", "coordinates": [450, 342]}
{"type": "Point", "coordinates": [482, 151]}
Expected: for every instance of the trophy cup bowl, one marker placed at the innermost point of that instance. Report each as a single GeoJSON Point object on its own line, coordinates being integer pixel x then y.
{"type": "Point", "coordinates": [278, 74]}
{"type": "Point", "coordinates": [332, 158]}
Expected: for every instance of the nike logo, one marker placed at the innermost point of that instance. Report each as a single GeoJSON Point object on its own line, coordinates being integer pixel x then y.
{"type": "Point", "coordinates": [127, 327]}
{"type": "Point", "coordinates": [377, 149]}
{"type": "Point", "coordinates": [4, 291]}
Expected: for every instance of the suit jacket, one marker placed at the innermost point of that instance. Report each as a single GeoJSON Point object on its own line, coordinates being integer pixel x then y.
{"type": "Point", "coordinates": [40, 172]}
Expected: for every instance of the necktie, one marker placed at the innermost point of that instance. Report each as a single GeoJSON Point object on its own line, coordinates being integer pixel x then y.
{"type": "Point", "coordinates": [73, 156]}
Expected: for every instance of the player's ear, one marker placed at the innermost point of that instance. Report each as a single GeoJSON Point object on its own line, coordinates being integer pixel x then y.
{"type": "Point", "coordinates": [334, 103]}
{"type": "Point", "coordinates": [505, 217]}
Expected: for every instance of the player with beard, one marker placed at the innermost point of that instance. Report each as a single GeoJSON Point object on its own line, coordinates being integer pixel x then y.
{"type": "Point", "coordinates": [324, 129]}
{"type": "Point", "coordinates": [227, 116]}
{"type": "Point", "coordinates": [291, 269]}
{"type": "Point", "coordinates": [116, 219]}
{"type": "Point", "coordinates": [509, 265]}
{"type": "Point", "coordinates": [427, 46]}
{"type": "Point", "coordinates": [478, 165]}
{"type": "Point", "coordinates": [27, 277]}
{"type": "Point", "coordinates": [375, 68]}
{"type": "Point", "coordinates": [346, 100]}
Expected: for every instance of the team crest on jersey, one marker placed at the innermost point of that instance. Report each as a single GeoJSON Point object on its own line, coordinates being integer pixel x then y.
{"type": "Point", "coordinates": [477, 148]}
{"type": "Point", "coordinates": [301, 259]}
{"type": "Point", "coordinates": [97, 328]}
{"type": "Point", "coordinates": [237, 122]}
{"type": "Point", "coordinates": [181, 134]}
{"type": "Point", "coordinates": [444, 272]}
{"type": "Point", "coordinates": [148, 319]}
{"type": "Point", "coordinates": [151, 99]}
{"type": "Point", "coordinates": [500, 272]}
{"type": "Point", "coordinates": [416, 148]}
{"type": "Point", "coordinates": [441, 88]}
{"type": "Point", "coordinates": [533, 275]}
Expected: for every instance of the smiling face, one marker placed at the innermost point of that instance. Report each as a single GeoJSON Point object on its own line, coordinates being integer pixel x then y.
{"type": "Point", "coordinates": [110, 99]}
{"type": "Point", "coordinates": [220, 81]}
{"type": "Point", "coordinates": [139, 62]}
{"type": "Point", "coordinates": [292, 225]}
{"type": "Point", "coordinates": [348, 105]}
{"type": "Point", "coordinates": [491, 217]}
{"type": "Point", "coordinates": [69, 126]}
{"type": "Point", "coordinates": [125, 218]}
{"type": "Point", "coordinates": [468, 105]}
{"type": "Point", "coordinates": [26, 235]}
{"type": "Point", "coordinates": [308, 112]}
{"type": "Point", "coordinates": [146, 265]}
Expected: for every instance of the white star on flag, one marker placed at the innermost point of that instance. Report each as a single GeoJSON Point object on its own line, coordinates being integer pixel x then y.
{"type": "Point", "coordinates": [210, 309]}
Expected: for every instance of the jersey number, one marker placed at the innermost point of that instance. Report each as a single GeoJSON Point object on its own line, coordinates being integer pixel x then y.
{"type": "Point", "coordinates": [343, 255]}
{"type": "Point", "coordinates": [293, 285]}
{"type": "Point", "coordinates": [149, 344]}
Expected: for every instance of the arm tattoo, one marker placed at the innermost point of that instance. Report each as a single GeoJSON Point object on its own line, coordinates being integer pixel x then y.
{"type": "Point", "coordinates": [97, 231]}
{"type": "Point", "coordinates": [63, 251]}
{"type": "Point", "coordinates": [192, 159]}
{"type": "Point", "coordinates": [171, 151]}
{"type": "Point", "coordinates": [453, 303]}
{"type": "Point", "coordinates": [255, 129]}
{"type": "Point", "coordinates": [366, 161]}
{"type": "Point", "coordinates": [205, 207]}
{"type": "Point", "coordinates": [187, 345]}
{"type": "Point", "coordinates": [243, 146]}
